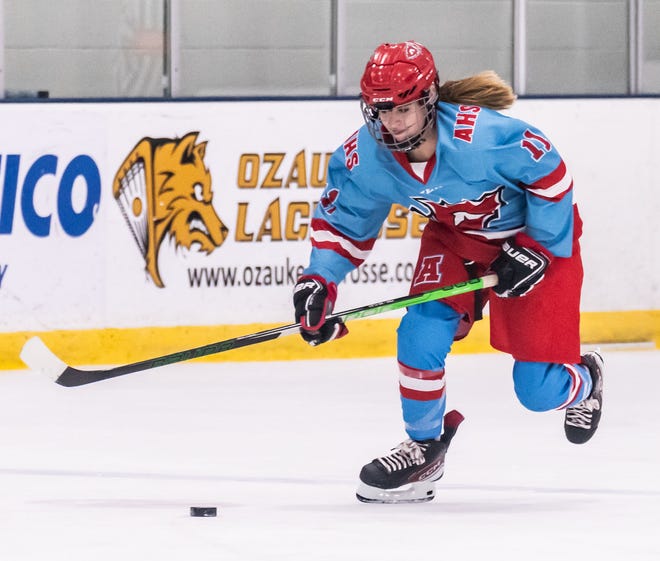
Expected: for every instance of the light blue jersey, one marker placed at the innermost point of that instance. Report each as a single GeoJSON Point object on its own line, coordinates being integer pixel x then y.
{"type": "Point", "coordinates": [492, 176]}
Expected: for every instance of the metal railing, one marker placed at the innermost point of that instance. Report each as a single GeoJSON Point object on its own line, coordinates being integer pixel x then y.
{"type": "Point", "coordinates": [338, 84]}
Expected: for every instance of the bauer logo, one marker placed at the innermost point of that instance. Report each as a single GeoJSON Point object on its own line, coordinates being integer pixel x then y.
{"type": "Point", "coordinates": [163, 189]}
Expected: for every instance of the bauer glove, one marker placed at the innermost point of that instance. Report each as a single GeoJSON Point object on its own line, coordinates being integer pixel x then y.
{"type": "Point", "coordinates": [519, 267]}
{"type": "Point", "coordinates": [314, 299]}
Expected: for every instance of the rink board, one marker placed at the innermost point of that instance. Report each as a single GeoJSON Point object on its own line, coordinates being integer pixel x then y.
{"type": "Point", "coordinates": [86, 262]}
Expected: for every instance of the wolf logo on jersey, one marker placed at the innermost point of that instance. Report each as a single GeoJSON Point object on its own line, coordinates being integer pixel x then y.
{"type": "Point", "coordinates": [470, 215]}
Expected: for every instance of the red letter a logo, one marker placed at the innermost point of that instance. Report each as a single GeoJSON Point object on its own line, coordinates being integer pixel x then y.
{"type": "Point", "coordinates": [428, 270]}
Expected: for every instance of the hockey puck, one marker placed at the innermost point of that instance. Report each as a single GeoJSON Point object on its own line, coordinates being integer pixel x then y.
{"type": "Point", "coordinates": [204, 511]}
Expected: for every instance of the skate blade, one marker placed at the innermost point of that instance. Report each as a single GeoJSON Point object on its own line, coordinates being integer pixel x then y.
{"type": "Point", "coordinates": [413, 493]}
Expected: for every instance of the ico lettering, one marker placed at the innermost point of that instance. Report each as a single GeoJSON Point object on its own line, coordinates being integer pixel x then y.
{"type": "Point", "coordinates": [38, 188]}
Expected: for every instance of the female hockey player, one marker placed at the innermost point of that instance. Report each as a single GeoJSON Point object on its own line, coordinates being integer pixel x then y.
{"type": "Point", "coordinates": [498, 197]}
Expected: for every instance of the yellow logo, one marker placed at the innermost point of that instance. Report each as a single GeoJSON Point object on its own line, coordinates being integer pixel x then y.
{"type": "Point", "coordinates": [164, 188]}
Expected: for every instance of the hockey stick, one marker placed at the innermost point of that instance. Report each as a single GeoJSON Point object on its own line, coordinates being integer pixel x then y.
{"type": "Point", "coordinates": [39, 357]}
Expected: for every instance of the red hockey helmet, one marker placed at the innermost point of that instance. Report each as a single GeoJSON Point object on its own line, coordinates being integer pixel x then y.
{"type": "Point", "coordinates": [398, 73]}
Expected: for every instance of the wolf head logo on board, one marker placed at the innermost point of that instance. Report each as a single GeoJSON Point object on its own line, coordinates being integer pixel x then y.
{"type": "Point", "coordinates": [164, 188]}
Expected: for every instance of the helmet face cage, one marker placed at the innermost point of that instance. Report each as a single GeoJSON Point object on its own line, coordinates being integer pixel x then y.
{"type": "Point", "coordinates": [370, 113]}
{"type": "Point", "coordinates": [398, 74]}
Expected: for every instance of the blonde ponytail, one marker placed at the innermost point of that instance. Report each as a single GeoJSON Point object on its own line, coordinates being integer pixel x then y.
{"type": "Point", "coordinates": [485, 89]}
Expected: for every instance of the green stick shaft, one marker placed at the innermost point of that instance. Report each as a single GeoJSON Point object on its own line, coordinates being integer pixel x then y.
{"type": "Point", "coordinates": [38, 356]}
{"type": "Point", "coordinates": [406, 301]}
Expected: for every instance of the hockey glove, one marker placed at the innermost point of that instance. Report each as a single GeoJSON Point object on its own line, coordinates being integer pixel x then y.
{"type": "Point", "coordinates": [519, 268]}
{"type": "Point", "coordinates": [314, 299]}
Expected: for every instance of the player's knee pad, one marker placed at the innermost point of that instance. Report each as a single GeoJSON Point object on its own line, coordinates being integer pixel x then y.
{"type": "Point", "coordinates": [425, 335]}
{"type": "Point", "coordinates": [538, 385]}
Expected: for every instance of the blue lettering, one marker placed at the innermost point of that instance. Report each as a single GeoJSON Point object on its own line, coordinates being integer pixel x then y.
{"type": "Point", "coordinates": [3, 270]}
{"type": "Point", "coordinates": [82, 169]}
{"type": "Point", "coordinates": [38, 225]}
{"type": "Point", "coordinates": [9, 193]}
{"type": "Point", "coordinates": [76, 224]}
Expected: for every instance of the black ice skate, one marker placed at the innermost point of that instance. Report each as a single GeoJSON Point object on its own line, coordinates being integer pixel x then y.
{"type": "Point", "coordinates": [582, 420]}
{"type": "Point", "coordinates": [408, 474]}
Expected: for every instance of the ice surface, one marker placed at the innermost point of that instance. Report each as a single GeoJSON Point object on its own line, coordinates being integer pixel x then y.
{"type": "Point", "coordinates": [109, 471]}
